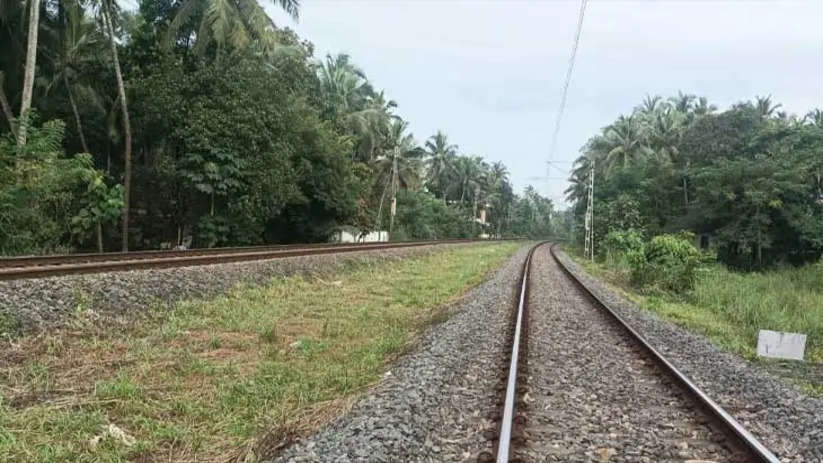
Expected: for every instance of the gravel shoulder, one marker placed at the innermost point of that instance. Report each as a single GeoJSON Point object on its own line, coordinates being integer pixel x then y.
{"type": "Point", "coordinates": [439, 401]}
{"type": "Point", "coordinates": [45, 303]}
{"type": "Point", "coordinates": [787, 421]}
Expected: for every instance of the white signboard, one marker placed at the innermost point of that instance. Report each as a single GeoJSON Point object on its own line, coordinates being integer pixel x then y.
{"type": "Point", "coordinates": [781, 345]}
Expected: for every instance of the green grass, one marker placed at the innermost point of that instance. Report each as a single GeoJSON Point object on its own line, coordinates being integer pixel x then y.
{"type": "Point", "coordinates": [209, 379]}
{"type": "Point", "coordinates": [731, 307]}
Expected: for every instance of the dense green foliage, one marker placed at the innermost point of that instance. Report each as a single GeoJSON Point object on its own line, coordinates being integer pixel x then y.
{"type": "Point", "coordinates": [747, 180]}
{"type": "Point", "coordinates": [224, 128]}
{"type": "Point", "coordinates": [46, 198]}
{"type": "Point", "coordinates": [666, 262]}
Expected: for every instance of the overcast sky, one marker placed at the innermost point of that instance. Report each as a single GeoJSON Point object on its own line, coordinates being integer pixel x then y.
{"type": "Point", "coordinates": [490, 73]}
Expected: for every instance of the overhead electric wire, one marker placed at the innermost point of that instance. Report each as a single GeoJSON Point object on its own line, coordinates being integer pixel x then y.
{"type": "Point", "coordinates": [569, 71]}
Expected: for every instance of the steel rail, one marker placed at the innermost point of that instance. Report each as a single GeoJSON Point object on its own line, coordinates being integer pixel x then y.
{"type": "Point", "coordinates": [185, 261]}
{"type": "Point", "coordinates": [63, 259]}
{"type": "Point", "coordinates": [506, 425]}
{"type": "Point", "coordinates": [750, 443]}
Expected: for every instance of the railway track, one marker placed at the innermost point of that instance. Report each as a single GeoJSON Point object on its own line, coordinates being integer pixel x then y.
{"type": "Point", "coordinates": [44, 266]}
{"type": "Point", "coordinates": [583, 385]}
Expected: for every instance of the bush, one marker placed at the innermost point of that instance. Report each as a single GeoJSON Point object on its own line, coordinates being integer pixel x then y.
{"type": "Point", "coordinates": [667, 262]}
{"type": "Point", "coordinates": [618, 244]}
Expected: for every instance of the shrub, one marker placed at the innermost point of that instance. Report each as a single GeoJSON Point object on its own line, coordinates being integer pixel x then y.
{"type": "Point", "coordinates": [667, 262]}
{"type": "Point", "coordinates": [618, 244]}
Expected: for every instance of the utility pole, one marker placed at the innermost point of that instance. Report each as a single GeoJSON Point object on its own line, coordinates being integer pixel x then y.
{"type": "Point", "coordinates": [588, 246]}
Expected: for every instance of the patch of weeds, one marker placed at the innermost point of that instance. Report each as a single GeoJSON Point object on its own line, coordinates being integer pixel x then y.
{"type": "Point", "coordinates": [215, 342]}
{"type": "Point", "coordinates": [39, 376]}
{"type": "Point", "coordinates": [439, 316]}
{"type": "Point", "coordinates": [268, 333]}
{"type": "Point", "coordinates": [190, 364]}
{"type": "Point", "coordinates": [82, 301]}
{"type": "Point", "coordinates": [309, 347]}
{"type": "Point", "coordinates": [121, 387]}
{"type": "Point", "coordinates": [10, 325]}
{"type": "Point", "coordinates": [813, 389]}
{"type": "Point", "coordinates": [54, 345]}
{"type": "Point", "coordinates": [78, 422]}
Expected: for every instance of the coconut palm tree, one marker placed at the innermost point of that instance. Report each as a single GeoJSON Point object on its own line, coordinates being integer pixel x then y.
{"type": "Point", "coordinates": [230, 25]}
{"type": "Point", "coordinates": [468, 174]}
{"type": "Point", "coordinates": [343, 84]}
{"type": "Point", "coordinates": [663, 133]}
{"type": "Point", "coordinates": [31, 62]}
{"type": "Point", "coordinates": [579, 176]}
{"type": "Point", "coordinates": [399, 166]}
{"type": "Point", "coordinates": [4, 104]}
{"type": "Point", "coordinates": [78, 45]}
{"type": "Point", "coordinates": [703, 108]}
{"type": "Point", "coordinates": [371, 125]}
{"type": "Point", "coordinates": [683, 102]}
{"type": "Point", "coordinates": [650, 104]}
{"type": "Point", "coordinates": [499, 193]}
{"type": "Point", "coordinates": [624, 143]}
{"type": "Point", "coordinates": [765, 107]}
{"type": "Point", "coordinates": [441, 158]}
{"type": "Point", "coordinates": [107, 8]}
{"type": "Point", "coordinates": [815, 117]}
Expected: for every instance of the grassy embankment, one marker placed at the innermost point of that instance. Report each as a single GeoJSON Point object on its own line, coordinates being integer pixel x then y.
{"type": "Point", "coordinates": [214, 379]}
{"type": "Point", "coordinates": [730, 308]}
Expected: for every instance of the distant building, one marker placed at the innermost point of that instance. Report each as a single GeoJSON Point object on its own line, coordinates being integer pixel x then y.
{"type": "Point", "coordinates": [353, 235]}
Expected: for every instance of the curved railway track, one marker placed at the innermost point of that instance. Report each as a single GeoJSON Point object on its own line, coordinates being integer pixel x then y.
{"type": "Point", "coordinates": [44, 266]}
{"type": "Point", "coordinates": [537, 414]}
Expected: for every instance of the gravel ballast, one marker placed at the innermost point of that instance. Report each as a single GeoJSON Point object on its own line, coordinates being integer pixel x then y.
{"type": "Point", "coordinates": [438, 402]}
{"type": "Point", "coordinates": [591, 394]}
{"type": "Point", "coordinates": [787, 421]}
{"type": "Point", "coordinates": [47, 303]}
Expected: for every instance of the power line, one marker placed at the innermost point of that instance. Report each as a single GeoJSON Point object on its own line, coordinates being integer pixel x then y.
{"type": "Point", "coordinates": [568, 78]}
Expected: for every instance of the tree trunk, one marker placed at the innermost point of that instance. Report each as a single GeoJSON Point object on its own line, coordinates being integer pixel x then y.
{"type": "Point", "coordinates": [4, 105]}
{"type": "Point", "coordinates": [99, 236]}
{"type": "Point", "coordinates": [28, 77]}
{"type": "Point", "coordinates": [393, 210]}
{"type": "Point", "coordinates": [759, 247]}
{"type": "Point", "coordinates": [76, 115]}
{"type": "Point", "coordinates": [393, 193]}
{"type": "Point", "coordinates": [685, 193]}
{"type": "Point", "coordinates": [211, 211]}
{"type": "Point", "coordinates": [126, 127]}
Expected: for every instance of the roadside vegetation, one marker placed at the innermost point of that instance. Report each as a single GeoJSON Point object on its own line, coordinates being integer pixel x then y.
{"type": "Point", "coordinates": [231, 377]}
{"type": "Point", "coordinates": [671, 278]}
{"type": "Point", "coordinates": [203, 123]}
{"type": "Point", "coordinates": [745, 185]}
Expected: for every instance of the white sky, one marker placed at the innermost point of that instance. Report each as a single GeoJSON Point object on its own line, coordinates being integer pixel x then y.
{"type": "Point", "coordinates": [489, 72]}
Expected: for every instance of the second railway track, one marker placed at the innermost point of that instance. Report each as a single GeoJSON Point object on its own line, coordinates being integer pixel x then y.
{"type": "Point", "coordinates": [586, 388]}
{"type": "Point", "coordinates": [43, 266]}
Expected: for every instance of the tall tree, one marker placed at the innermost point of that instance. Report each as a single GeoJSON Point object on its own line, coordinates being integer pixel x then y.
{"type": "Point", "coordinates": [106, 12]}
{"type": "Point", "coordinates": [441, 157]}
{"type": "Point", "coordinates": [398, 167]}
{"type": "Point", "coordinates": [468, 172]}
{"type": "Point", "coordinates": [815, 117]}
{"type": "Point", "coordinates": [624, 143]}
{"type": "Point", "coordinates": [765, 107]}
{"type": "Point", "coordinates": [78, 43]}
{"type": "Point", "coordinates": [31, 62]}
{"type": "Point", "coordinates": [229, 26]}
{"type": "Point", "coordinates": [683, 102]}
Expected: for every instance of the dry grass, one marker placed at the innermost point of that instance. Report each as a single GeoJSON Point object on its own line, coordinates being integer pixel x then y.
{"type": "Point", "coordinates": [229, 378]}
